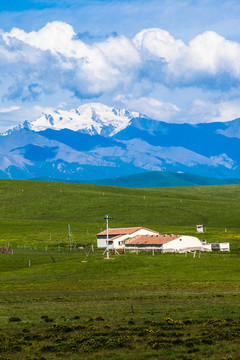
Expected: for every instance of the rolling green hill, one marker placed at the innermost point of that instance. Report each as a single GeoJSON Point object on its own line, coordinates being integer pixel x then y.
{"type": "Point", "coordinates": [35, 212]}
{"type": "Point", "coordinates": [162, 179]}
{"type": "Point", "coordinates": [154, 179]}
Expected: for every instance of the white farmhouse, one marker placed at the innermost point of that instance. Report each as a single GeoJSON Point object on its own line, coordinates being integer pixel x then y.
{"type": "Point", "coordinates": [118, 236]}
{"type": "Point", "coordinates": [140, 238]}
{"type": "Point", "coordinates": [166, 243]}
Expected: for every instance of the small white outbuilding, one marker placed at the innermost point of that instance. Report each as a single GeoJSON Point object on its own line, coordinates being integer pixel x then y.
{"type": "Point", "coordinates": [200, 228]}
{"type": "Point", "coordinates": [220, 246]}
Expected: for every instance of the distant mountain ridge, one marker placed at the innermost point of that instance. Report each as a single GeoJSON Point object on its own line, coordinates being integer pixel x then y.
{"type": "Point", "coordinates": [95, 142]}
{"type": "Point", "coordinates": [156, 179]}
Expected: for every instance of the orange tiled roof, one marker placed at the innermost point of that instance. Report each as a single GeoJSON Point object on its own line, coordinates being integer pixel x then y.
{"type": "Point", "coordinates": [120, 231]}
{"type": "Point", "coordinates": [152, 239]}
{"type": "Point", "coordinates": [124, 231]}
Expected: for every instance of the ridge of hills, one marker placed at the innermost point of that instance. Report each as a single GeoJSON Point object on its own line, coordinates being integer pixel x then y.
{"type": "Point", "coordinates": [154, 179]}
{"type": "Point", "coordinates": [162, 179]}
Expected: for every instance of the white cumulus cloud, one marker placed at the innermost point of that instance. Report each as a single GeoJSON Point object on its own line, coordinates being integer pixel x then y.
{"type": "Point", "coordinates": [87, 70]}
{"type": "Point", "coordinates": [207, 56]}
{"type": "Point", "coordinates": [158, 43]}
{"type": "Point", "coordinates": [206, 111]}
{"type": "Point", "coordinates": [211, 55]}
{"type": "Point", "coordinates": [150, 107]}
{"type": "Point", "coordinates": [55, 36]}
{"type": "Point", "coordinates": [38, 63]}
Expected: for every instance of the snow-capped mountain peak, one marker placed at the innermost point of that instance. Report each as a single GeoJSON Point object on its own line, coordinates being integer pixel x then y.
{"type": "Point", "coordinates": [92, 118]}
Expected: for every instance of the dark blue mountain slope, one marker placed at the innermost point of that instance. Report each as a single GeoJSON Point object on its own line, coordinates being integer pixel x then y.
{"type": "Point", "coordinates": [38, 153]}
{"type": "Point", "coordinates": [196, 138]}
{"type": "Point", "coordinates": [79, 141]}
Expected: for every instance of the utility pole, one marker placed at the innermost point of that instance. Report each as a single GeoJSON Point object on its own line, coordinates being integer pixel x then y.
{"type": "Point", "coordinates": [107, 217]}
{"type": "Point", "coordinates": [69, 237]}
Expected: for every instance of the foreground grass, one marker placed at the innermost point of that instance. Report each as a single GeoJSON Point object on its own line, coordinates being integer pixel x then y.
{"type": "Point", "coordinates": [133, 307]}
{"type": "Point", "coordinates": [165, 307]}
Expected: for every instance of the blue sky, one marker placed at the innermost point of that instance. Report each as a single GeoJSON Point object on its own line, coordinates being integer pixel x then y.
{"type": "Point", "coordinates": [176, 61]}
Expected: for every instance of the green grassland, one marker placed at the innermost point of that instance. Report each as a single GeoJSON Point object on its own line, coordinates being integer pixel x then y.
{"type": "Point", "coordinates": [137, 306]}
{"type": "Point", "coordinates": [38, 213]}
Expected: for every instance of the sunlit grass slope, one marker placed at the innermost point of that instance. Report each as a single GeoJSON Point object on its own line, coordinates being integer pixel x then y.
{"type": "Point", "coordinates": [36, 213]}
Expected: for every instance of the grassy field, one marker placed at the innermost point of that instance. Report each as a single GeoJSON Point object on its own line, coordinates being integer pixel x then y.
{"type": "Point", "coordinates": [38, 213]}
{"type": "Point", "coordinates": [58, 304]}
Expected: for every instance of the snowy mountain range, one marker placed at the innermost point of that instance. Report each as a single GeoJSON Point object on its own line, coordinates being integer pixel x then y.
{"type": "Point", "coordinates": [95, 141]}
{"type": "Point", "coordinates": [92, 119]}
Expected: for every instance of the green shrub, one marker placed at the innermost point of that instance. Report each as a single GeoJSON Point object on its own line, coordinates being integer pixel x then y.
{"type": "Point", "coordinates": [14, 319]}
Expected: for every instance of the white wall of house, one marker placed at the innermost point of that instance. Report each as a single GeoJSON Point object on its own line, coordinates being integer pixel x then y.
{"type": "Point", "coordinates": [183, 243]}
{"type": "Point", "coordinates": [101, 243]}
{"type": "Point", "coordinates": [118, 243]}
{"type": "Point", "coordinates": [115, 244]}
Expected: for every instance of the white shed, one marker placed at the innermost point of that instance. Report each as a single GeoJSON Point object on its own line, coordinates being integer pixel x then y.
{"type": "Point", "coordinates": [200, 228]}
{"type": "Point", "coordinates": [220, 246]}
